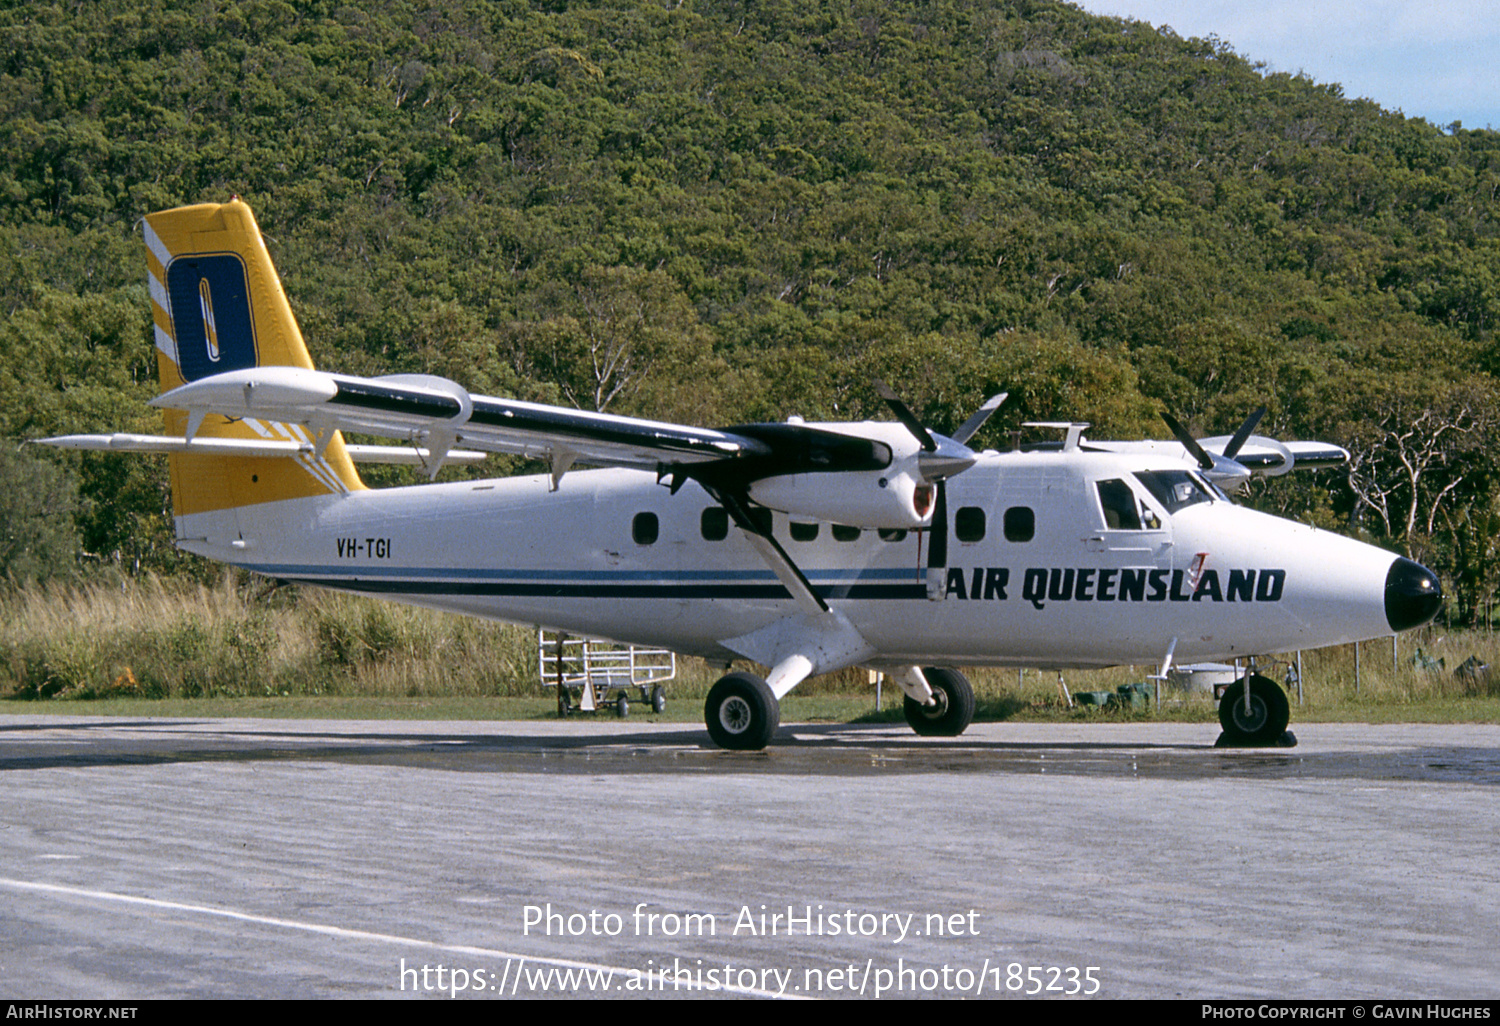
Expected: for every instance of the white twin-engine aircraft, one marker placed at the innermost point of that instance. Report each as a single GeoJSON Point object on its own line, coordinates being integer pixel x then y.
{"type": "Point", "coordinates": [805, 548]}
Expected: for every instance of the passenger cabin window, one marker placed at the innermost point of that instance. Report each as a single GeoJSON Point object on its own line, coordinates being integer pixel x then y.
{"type": "Point", "coordinates": [842, 532]}
{"type": "Point", "coordinates": [1174, 489]}
{"type": "Point", "coordinates": [715, 523]}
{"type": "Point", "coordinates": [1020, 524]}
{"type": "Point", "coordinates": [645, 528]}
{"type": "Point", "coordinates": [803, 532]}
{"type": "Point", "coordinates": [1118, 503]}
{"type": "Point", "coordinates": [968, 524]}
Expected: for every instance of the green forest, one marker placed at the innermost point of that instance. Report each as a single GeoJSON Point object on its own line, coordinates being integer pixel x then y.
{"type": "Point", "coordinates": [720, 211]}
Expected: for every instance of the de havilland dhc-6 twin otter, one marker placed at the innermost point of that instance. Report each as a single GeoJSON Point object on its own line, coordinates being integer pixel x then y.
{"type": "Point", "coordinates": [805, 548]}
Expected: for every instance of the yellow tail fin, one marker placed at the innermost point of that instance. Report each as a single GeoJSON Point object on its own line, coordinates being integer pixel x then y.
{"type": "Point", "coordinates": [218, 306]}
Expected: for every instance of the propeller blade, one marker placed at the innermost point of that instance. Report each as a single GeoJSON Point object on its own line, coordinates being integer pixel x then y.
{"type": "Point", "coordinates": [905, 416]}
{"type": "Point", "coordinates": [967, 430]}
{"type": "Point", "coordinates": [1243, 434]}
{"type": "Point", "coordinates": [941, 456]}
{"type": "Point", "coordinates": [1189, 442]}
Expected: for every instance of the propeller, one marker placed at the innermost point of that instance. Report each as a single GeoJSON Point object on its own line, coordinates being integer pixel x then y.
{"type": "Point", "coordinates": [939, 458]}
{"type": "Point", "coordinates": [1221, 457]}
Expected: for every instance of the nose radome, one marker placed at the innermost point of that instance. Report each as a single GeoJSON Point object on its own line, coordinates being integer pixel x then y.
{"type": "Point", "coordinates": [1412, 594]}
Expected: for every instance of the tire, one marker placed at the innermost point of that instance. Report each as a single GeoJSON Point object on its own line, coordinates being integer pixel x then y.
{"type": "Point", "coordinates": [955, 705]}
{"type": "Point", "coordinates": [1269, 712]}
{"type": "Point", "coordinates": [741, 713]}
{"type": "Point", "coordinates": [622, 706]}
{"type": "Point", "coordinates": [658, 700]}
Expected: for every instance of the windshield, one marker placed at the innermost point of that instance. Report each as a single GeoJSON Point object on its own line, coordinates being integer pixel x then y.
{"type": "Point", "coordinates": [1174, 489]}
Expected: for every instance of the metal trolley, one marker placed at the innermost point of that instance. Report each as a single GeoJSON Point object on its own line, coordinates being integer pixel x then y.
{"type": "Point", "coordinates": [599, 673]}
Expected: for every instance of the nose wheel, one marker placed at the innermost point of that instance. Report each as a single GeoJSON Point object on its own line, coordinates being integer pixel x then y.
{"type": "Point", "coordinates": [953, 710]}
{"type": "Point", "coordinates": [1264, 723]}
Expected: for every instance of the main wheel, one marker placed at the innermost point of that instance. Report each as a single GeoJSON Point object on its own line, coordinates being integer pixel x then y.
{"type": "Point", "coordinates": [954, 710]}
{"type": "Point", "coordinates": [1268, 716]}
{"type": "Point", "coordinates": [741, 712]}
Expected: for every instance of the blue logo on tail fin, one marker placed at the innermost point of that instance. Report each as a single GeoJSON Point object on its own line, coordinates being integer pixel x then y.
{"type": "Point", "coordinates": [211, 315]}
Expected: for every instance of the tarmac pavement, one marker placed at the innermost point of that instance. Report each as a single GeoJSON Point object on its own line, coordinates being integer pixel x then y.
{"type": "Point", "coordinates": [160, 858]}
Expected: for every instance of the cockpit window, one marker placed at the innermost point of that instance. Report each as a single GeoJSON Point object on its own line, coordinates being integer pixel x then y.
{"type": "Point", "coordinates": [1118, 503]}
{"type": "Point", "coordinates": [1174, 489]}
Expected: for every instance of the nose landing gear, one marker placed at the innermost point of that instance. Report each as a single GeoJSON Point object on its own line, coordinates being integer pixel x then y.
{"type": "Point", "coordinates": [1263, 724]}
{"type": "Point", "coordinates": [953, 710]}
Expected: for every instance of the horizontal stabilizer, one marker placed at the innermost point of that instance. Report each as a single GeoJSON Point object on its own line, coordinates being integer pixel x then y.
{"type": "Point", "coordinates": [164, 443]}
{"type": "Point", "coordinates": [391, 454]}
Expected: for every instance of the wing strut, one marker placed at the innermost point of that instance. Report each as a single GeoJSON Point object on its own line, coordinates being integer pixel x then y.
{"type": "Point", "coordinates": [738, 506]}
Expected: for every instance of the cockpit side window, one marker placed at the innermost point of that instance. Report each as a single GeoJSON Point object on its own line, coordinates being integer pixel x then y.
{"type": "Point", "coordinates": [1174, 489]}
{"type": "Point", "coordinates": [1118, 503]}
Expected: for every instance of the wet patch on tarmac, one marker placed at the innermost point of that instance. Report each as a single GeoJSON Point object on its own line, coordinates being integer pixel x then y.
{"type": "Point", "coordinates": [799, 750]}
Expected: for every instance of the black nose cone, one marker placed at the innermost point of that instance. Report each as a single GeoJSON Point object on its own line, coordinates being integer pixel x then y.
{"type": "Point", "coordinates": [1412, 595]}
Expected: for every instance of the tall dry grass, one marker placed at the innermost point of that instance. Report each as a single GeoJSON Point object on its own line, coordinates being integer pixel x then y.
{"type": "Point", "coordinates": [167, 638]}
{"type": "Point", "coordinates": [1425, 665]}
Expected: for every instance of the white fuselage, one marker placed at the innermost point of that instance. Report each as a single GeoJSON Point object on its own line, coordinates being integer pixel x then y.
{"type": "Point", "coordinates": [614, 554]}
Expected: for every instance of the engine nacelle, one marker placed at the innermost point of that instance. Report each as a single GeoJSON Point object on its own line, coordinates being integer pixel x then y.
{"type": "Point", "coordinates": [894, 500]}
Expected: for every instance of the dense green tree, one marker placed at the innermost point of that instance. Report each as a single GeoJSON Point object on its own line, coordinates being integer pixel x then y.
{"type": "Point", "coordinates": [777, 202]}
{"type": "Point", "coordinates": [38, 500]}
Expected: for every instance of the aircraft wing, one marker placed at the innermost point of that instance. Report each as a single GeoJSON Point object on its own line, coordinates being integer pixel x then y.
{"type": "Point", "coordinates": [438, 414]}
{"type": "Point", "coordinates": [877, 475]}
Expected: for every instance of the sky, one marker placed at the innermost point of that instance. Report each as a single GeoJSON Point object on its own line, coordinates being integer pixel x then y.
{"type": "Point", "coordinates": [1433, 59]}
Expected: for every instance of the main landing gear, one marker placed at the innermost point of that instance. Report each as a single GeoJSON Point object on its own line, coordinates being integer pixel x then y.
{"type": "Point", "coordinates": [1263, 724]}
{"type": "Point", "coordinates": [742, 712]}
